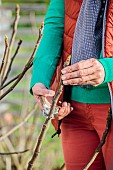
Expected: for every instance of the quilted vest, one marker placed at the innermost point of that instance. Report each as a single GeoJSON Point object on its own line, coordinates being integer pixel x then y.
{"type": "Point", "coordinates": [72, 8]}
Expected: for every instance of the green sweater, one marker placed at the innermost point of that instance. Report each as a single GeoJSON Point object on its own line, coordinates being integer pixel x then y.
{"type": "Point", "coordinates": [49, 52]}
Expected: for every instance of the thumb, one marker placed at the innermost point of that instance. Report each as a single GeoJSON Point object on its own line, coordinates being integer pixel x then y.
{"type": "Point", "coordinates": [50, 93]}
{"type": "Point", "coordinates": [40, 89]}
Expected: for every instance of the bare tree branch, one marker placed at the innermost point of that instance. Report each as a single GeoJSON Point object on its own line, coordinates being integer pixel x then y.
{"type": "Point", "coordinates": [14, 153]}
{"type": "Point", "coordinates": [5, 54]}
{"type": "Point", "coordinates": [15, 24]}
{"type": "Point", "coordinates": [8, 58]}
{"type": "Point", "coordinates": [102, 142]}
{"type": "Point", "coordinates": [32, 18]}
{"type": "Point", "coordinates": [9, 82]}
{"type": "Point", "coordinates": [27, 66]}
{"type": "Point", "coordinates": [11, 148]}
{"type": "Point", "coordinates": [47, 122]}
{"type": "Point", "coordinates": [60, 168]}
{"type": "Point", "coordinates": [19, 125]}
{"type": "Point", "coordinates": [11, 61]}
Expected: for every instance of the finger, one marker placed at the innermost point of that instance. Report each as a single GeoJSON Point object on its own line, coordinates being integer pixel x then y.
{"type": "Point", "coordinates": [73, 81]}
{"type": "Point", "coordinates": [44, 92]}
{"type": "Point", "coordinates": [89, 78]}
{"type": "Point", "coordinates": [39, 102]}
{"type": "Point", "coordinates": [65, 110]}
{"type": "Point", "coordinates": [61, 111]}
{"type": "Point", "coordinates": [97, 77]}
{"type": "Point", "coordinates": [79, 73]}
{"type": "Point", "coordinates": [68, 109]}
{"type": "Point", "coordinates": [79, 66]}
{"type": "Point", "coordinates": [48, 100]}
{"type": "Point", "coordinates": [95, 82]}
{"type": "Point", "coordinates": [79, 81]}
{"type": "Point", "coordinates": [64, 104]}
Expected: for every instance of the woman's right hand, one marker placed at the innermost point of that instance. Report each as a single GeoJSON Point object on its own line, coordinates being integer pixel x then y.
{"type": "Point", "coordinates": [39, 89]}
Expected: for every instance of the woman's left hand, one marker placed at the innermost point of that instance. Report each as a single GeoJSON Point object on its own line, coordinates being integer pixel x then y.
{"type": "Point", "coordinates": [88, 71]}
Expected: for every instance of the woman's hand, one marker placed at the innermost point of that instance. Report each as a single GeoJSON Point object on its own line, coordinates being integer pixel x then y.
{"type": "Point", "coordinates": [88, 71]}
{"type": "Point", "coordinates": [40, 90]}
{"type": "Point", "coordinates": [64, 110]}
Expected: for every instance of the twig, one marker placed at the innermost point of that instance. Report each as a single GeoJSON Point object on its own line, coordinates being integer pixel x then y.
{"type": "Point", "coordinates": [15, 153]}
{"type": "Point", "coordinates": [19, 125]}
{"type": "Point", "coordinates": [33, 23]}
{"type": "Point", "coordinates": [9, 82]}
{"type": "Point", "coordinates": [27, 66]}
{"type": "Point", "coordinates": [16, 82]}
{"type": "Point", "coordinates": [47, 122]}
{"type": "Point", "coordinates": [102, 142]}
{"type": "Point", "coordinates": [22, 133]}
{"type": "Point", "coordinates": [5, 53]}
{"type": "Point", "coordinates": [7, 64]}
{"type": "Point", "coordinates": [10, 147]}
{"type": "Point", "coordinates": [31, 130]}
{"type": "Point", "coordinates": [8, 163]}
{"type": "Point", "coordinates": [11, 62]}
{"type": "Point", "coordinates": [15, 24]}
{"type": "Point", "coordinates": [15, 78]}
{"type": "Point", "coordinates": [59, 168]}
{"type": "Point", "coordinates": [62, 167]}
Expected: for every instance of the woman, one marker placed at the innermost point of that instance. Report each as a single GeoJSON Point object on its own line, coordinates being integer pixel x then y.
{"type": "Point", "coordinates": [83, 29]}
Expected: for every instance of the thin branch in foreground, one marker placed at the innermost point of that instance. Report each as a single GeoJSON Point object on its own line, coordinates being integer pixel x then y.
{"type": "Point", "coordinates": [26, 68]}
{"type": "Point", "coordinates": [14, 32]}
{"type": "Point", "coordinates": [9, 82]}
{"type": "Point", "coordinates": [15, 24]}
{"type": "Point", "coordinates": [19, 125]}
{"type": "Point", "coordinates": [47, 122]}
{"type": "Point", "coordinates": [15, 153]}
{"type": "Point", "coordinates": [8, 145]}
{"type": "Point", "coordinates": [12, 80]}
{"type": "Point", "coordinates": [5, 54]}
{"type": "Point", "coordinates": [15, 78]}
{"type": "Point", "coordinates": [16, 82]}
{"type": "Point", "coordinates": [60, 168]}
{"type": "Point", "coordinates": [11, 62]}
{"type": "Point", "coordinates": [102, 142]}
{"type": "Point", "coordinates": [32, 18]}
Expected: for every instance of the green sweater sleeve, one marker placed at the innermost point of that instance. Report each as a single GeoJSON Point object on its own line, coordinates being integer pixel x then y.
{"type": "Point", "coordinates": [108, 67]}
{"type": "Point", "coordinates": [50, 48]}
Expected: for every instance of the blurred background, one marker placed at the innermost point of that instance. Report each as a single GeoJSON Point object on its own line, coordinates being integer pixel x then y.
{"type": "Point", "coordinates": [15, 107]}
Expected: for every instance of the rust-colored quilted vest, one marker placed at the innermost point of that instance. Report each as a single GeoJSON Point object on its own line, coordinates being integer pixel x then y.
{"type": "Point", "coordinates": [108, 48]}
{"type": "Point", "coordinates": [72, 8]}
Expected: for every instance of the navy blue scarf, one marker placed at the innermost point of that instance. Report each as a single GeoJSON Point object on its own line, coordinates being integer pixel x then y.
{"type": "Point", "coordinates": [87, 41]}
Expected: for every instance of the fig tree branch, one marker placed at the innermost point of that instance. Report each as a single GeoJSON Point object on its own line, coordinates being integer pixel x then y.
{"type": "Point", "coordinates": [14, 153]}
{"type": "Point", "coordinates": [9, 82]}
{"type": "Point", "coordinates": [26, 68]}
{"type": "Point", "coordinates": [5, 54]}
{"type": "Point", "coordinates": [8, 54]}
{"type": "Point", "coordinates": [11, 61]}
{"type": "Point", "coordinates": [103, 140]}
{"type": "Point", "coordinates": [19, 125]}
{"type": "Point", "coordinates": [47, 122]}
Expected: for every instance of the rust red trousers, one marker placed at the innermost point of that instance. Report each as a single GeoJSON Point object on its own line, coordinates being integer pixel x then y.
{"type": "Point", "coordinates": [82, 131]}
